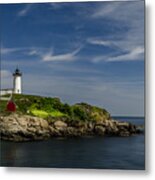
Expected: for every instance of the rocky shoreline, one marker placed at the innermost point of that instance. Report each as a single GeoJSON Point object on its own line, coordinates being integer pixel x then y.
{"type": "Point", "coordinates": [16, 127]}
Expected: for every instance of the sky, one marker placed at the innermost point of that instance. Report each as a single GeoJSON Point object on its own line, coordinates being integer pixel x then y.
{"type": "Point", "coordinates": [80, 52]}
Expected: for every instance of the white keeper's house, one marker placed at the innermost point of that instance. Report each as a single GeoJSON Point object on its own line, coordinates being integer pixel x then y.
{"type": "Point", "coordinates": [17, 84]}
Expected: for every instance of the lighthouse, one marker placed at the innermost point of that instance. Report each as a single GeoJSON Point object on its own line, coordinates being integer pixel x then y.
{"type": "Point", "coordinates": [17, 82]}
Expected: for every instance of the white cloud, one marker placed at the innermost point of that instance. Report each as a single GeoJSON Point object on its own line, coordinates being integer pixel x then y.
{"type": "Point", "coordinates": [99, 42]}
{"type": "Point", "coordinates": [129, 50]}
{"type": "Point", "coordinates": [105, 10]}
{"type": "Point", "coordinates": [24, 11]}
{"type": "Point", "coordinates": [33, 52]}
{"type": "Point", "coordinates": [60, 57]}
{"type": "Point", "coordinates": [119, 10]}
{"type": "Point", "coordinates": [44, 54]}
{"type": "Point", "coordinates": [133, 55]}
{"type": "Point", "coordinates": [8, 50]}
{"type": "Point", "coordinates": [23, 50]}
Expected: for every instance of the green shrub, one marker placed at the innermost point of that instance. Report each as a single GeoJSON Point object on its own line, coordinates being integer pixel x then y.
{"type": "Point", "coordinates": [67, 109]}
{"type": "Point", "coordinates": [80, 113]}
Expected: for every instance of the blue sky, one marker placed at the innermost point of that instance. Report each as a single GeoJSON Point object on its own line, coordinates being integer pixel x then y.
{"type": "Point", "coordinates": [91, 52]}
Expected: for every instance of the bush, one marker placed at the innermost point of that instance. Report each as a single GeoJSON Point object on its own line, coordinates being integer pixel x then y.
{"type": "Point", "coordinates": [67, 109]}
{"type": "Point", "coordinates": [80, 113]}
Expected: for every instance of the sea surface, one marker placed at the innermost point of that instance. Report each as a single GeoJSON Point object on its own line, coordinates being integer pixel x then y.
{"type": "Point", "coordinates": [88, 152]}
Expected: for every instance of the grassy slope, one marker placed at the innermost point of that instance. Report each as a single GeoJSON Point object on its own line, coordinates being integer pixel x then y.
{"type": "Point", "coordinates": [47, 107]}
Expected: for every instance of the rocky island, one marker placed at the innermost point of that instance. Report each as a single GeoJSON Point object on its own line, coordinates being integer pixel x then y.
{"type": "Point", "coordinates": [38, 118]}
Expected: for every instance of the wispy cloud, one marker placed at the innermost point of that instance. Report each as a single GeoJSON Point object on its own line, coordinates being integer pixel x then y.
{"type": "Point", "coordinates": [133, 55]}
{"type": "Point", "coordinates": [8, 50]}
{"type": "Point", "coordinates": [60, 57]}
{"type": "Point", "coordinates": [30, 51]}
{"type": "Point", "coordinates": [47, 54]}
{"type": "Point", "coordinates": [105, 43]}
{"type": "Point", "coordinates": [19, 50]}
{"type": "Point", "coordinates": [105, 10]}
{"type": "Point", "coordinates": [131, 41]}
{"type": "Point", "coordinates": [99, 42]}
{"type": "Point", "coordinates": [33, 51]}
{"type": "Point", "coordinates": [44, 54]}
{"type": "Point", "coordinates": [25, 10]}
{"type": "Point", "coordinates": [128, 52]}
{"type": "Point", "coordinates": [118, 10]}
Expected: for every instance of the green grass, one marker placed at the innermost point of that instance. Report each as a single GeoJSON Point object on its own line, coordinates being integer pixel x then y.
{"type": "Point", "coordinates": [44, 114]}
{"type": "Point", "coordinates": [3, 106]}
{"type": "Point", "coordinates": [39, 113]}
{"type": "Point", "coordinates": [57, 114]}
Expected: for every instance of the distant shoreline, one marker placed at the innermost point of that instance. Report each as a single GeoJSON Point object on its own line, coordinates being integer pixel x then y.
{"type": "Point", "coordinates": [131, 117]}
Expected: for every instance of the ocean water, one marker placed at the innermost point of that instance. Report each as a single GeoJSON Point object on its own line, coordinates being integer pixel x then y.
{"type": "Point", "coordinates": [88, 152]}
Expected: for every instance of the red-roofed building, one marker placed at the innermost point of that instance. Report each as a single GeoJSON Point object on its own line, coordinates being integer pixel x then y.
{"type": "Point", "coordinates": [11, 106]}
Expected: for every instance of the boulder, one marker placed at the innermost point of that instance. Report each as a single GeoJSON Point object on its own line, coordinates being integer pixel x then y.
{"type": "Point", "coordinates": [17, 127]}
{"type": "Point", "coordinates": [123, 124]}
{"type": "Point", "coordinates": [44, 124]}
{"type": "Point", "coordinates": [60, 125]}
{"type": "Point", "coordinates": [100, 130]}
{"type": "Point", "coordinates": [71, 131]}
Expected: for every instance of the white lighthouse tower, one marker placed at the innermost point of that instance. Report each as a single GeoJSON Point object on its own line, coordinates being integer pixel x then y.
{"type": "Point", "coordinates": [17, 82]}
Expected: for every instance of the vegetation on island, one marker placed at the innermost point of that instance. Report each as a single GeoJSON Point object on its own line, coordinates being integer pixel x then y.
{"type": "Point", "coordinates": [52, 108]}
{"type": "Point", "coordinates": [38, 118]}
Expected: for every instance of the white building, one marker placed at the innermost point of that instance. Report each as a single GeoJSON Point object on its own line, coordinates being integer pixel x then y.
{"type": "Point", "coordinates": [17, 84]}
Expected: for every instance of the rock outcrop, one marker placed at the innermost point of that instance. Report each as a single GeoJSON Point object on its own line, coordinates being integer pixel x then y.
{"type": "Point", "coordinates": [16, 127]}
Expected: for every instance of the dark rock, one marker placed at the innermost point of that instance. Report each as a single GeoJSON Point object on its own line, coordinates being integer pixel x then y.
{"type": "Point", "coordinates": [100, 130]}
